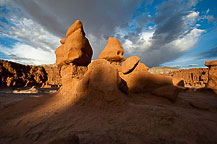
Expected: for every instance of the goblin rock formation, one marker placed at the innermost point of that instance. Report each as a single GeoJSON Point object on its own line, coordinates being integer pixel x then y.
{"type": "Point", "coordinates": [74, 54]}
{"type": "Point", "coordinates": [75, 48]}
{"type": "Point", "coordinates": [18, 75]}
{"type": "Point", "coordinates": [212, 74]}
{"type": "Point", "coordinates": [113, 52]}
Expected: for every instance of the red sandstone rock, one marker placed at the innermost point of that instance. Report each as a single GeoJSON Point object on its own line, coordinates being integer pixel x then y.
{"type": "Point", "coordinates": [102, 82]}
{"type": "Point", "coordinates": [75, 48]}
{"type": "Point", "coordinates": [60, 55]}
{"type": "Point", "coordinates": [18, 75]}
{"type": "Point", "coordinates": [212, 82]}
{"type": "Point", "coordinates": [169, 92]}
{"type": "Point", "coordinates": [211, 63]}
{"type": "Point", "coordinates": [139, 82]}
{"type": "Point", "coordinates": [141, 68]}
{"type": "Point", "coordinates": [196, 77]}
{"type": "Point", "coordinates": [129, 64]}
{"type": "Point", "coordinates": [76, 26]}
{"type": "Point", "coordinates": [113, 51]}
{"type": "Point", "coordinates": [62, 41]}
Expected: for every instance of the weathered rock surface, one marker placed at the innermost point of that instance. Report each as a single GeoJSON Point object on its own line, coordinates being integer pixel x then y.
{"type": "Point", "coordinates": [102, 82]}
{"type": "Point", "coordinates": [196, 77]}
{"type": "Point", "coordinates": [18, 75]}
{"type": "Point", "coordinates": [75, 48]}
{"type": "Point", "coordinates": [70, 72]}
{"type": "Point", "coordinates": [53, 76]}
{"type": "Point", "coordinates": [129, 64]}
{"type": "Point", "coordinates": [113, 51]}
{"type": "Point", "coordinates": [169, 92]}
{"type": "Point", "coordinates": [212, 74]}
{"type": "Point", "coordinates": [139, 82]}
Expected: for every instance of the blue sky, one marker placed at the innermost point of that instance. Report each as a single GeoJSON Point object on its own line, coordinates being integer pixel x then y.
{"type": "Point", "coordinates": [175, 33]}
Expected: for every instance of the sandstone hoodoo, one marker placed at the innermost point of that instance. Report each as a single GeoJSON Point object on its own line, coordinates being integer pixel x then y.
{"type": "Point", "coordinates": [75, 48]}
{"type": "Point", "coordinates": [212, 74]}
{"type": "Point", "coordinates": [74, 54]}
{"type": "Point", "coordinates": [113, 52]}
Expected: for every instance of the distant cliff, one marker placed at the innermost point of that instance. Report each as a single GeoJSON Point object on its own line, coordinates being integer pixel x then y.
{"type": "Point", "coordinates": [162, 70]}
{"type": "Point", "coordinates": [17, 75]}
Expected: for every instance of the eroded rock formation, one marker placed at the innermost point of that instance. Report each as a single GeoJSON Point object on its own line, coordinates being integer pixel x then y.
{"type": "Point", "coordinates": [18, 75]}
{"type": "Point", "coordinates": [113, 52]}
{"type": "Point", "coordinates": [74, 54]}
{"type": "Point", "coordinates": [212, 74]}
{"type": "Point", "coordinates": [196, 77]}
{"type": "Point", "coordinates": [75, 48]}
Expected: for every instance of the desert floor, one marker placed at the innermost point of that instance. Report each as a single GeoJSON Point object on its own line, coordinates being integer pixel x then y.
{"type": "Point", "coordinates": [45, 117]}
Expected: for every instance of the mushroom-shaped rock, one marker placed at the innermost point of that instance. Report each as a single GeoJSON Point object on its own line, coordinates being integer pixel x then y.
{"type": "Point", "coordinates": [75, 48]}
{"type": "Point", "coordinates": [211, 63]}
{"type": "Point", "coordinates": [113, 51]}
{"type": "Point", "coordinates": [129, 64]}
{"type": "Point", "coordinates": [169, 92]}
{"type": "Point", "coordinates": [102, 79]}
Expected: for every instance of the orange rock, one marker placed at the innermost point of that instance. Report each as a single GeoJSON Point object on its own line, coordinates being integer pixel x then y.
{"type": "Point", "coordinates": [141, 68]}
{"type": "Point", "coordinates": [60, 55]}
{"type": "Point", "coordinates": [62, 41]}
{"type": "Point", "coordinates": [129, 64]}
{"type": "Point", "coordinates": [113, 51]}
{"type": "Point", "coordinates": [169, 92]}
{"type": "Point", "coordinates": [212, 80]}
{"type": "Point", "coordinates": [211, 63]}
{"type": "Point", "coordinates": [139, 82]}
{"type": "Point", "coordinates": [75, 48]}
{"type": "Point", "coordinates": [101, 77]}
{"type": "Point", "coordinates": [77, 25]}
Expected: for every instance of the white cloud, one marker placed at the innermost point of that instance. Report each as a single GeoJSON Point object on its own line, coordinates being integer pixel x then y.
{"type": "Point", "coordinates": [26, 54]}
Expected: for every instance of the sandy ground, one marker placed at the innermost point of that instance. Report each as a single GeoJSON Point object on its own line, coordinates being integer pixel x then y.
{"type": "Point", "coordinates": [143, 118]}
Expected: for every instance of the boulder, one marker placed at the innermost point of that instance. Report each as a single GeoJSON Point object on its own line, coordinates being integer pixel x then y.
{"type": "Point", "coordinates": [113, 51]}
{"type": "Point", "coordinates": [169, 92]}
{"type": "Point", "coordinates": [75, 48]}
{"type": "Point", "coordinates": [129, 64]}
{"type": "Point", "coordinates": [139, 82]}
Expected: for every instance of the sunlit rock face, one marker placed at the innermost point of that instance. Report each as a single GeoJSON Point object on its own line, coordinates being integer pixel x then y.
{"type": "Point", "coordinates": [75, 48]}
{"type": "Point", "coordinates": [212, 74]}
{"type": "Point", "coordinates": [73, 56]}
{"type": "Point", "coordinates": [113, 52]}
